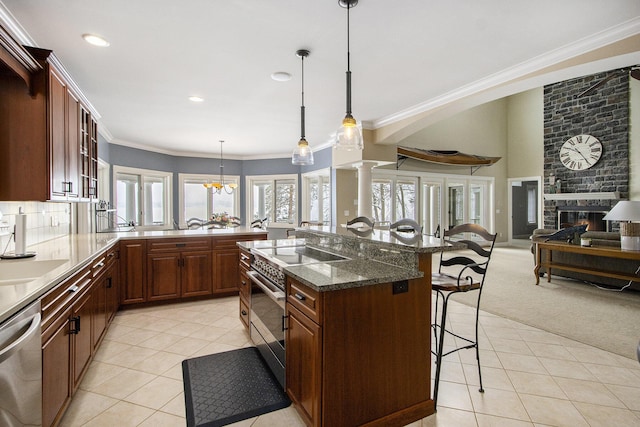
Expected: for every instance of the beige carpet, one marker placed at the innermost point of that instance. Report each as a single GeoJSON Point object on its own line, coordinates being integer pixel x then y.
{"type": "Point", "coordinates": [566, 307]}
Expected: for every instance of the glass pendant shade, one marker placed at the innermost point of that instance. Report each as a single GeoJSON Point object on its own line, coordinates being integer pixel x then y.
{"type": "Point", "coordinates": [302, 154]}
{"type": "Point", "coordinates": [349, 135]}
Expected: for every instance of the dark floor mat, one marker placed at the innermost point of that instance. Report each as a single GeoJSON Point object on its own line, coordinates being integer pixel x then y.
{"type": "Point", "coordinates": [225, 388]}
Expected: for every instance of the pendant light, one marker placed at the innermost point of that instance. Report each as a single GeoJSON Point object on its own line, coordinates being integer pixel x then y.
{"type": "Point", "coordinates": [217, 187]}
{"type": "Point", "coordinates": [349, 135]}
{"type": "Point", "coordinates": [302, 154]}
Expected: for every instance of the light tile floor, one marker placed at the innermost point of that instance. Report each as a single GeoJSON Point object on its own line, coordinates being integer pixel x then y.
{"type": "Point", "coordinates": [531, 377]}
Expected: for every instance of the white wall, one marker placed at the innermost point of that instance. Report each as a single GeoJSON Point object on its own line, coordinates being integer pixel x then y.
{"type": "Point", "coordinates": [481, 130]}
{"type": "Point", "coordinates": [525, 132]}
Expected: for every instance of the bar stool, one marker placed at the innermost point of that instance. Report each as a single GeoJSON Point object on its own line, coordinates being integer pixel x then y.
{"type": "Point", "coordinates": [460, 272]}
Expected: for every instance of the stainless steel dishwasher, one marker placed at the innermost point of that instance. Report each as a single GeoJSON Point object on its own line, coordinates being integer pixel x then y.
{"type": "Point", "coordinates": [21, 369]}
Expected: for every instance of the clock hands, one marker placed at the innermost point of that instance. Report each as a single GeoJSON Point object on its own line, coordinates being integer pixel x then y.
{"type": "Point", "coordinates": [581, 155]}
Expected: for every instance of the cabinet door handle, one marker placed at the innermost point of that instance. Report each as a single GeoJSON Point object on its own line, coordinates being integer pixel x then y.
{"type": "Point", "coordinates": [284, 326]}
{"type": "Point", "coordinates": [180, 245]}
{"type": "Point", "coordinates": [100, 264]}
{"type": "Point", "coordinates": [73, 288]}
{"type": "Point", "coordinates": [76, 325]}
{"type": "Point", "coordinates": [244, 257]}
{"type": "Point", "coordinates": [109, 284]}
{"type": "Point", "coordinates": [300, 296]}
{"type": "Point", "coordinates": [244, 312]}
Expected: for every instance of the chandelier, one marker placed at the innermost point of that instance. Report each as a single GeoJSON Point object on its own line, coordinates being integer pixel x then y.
{"type": "Point", "coordinates": [218, 186]}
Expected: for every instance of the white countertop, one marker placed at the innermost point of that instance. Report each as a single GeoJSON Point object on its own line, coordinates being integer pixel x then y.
{"type": "Point", "coordinates": [75, 251]}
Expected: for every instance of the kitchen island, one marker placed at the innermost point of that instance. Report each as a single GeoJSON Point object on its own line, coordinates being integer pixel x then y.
{"type": "Point", "coordinates": [358, 330]}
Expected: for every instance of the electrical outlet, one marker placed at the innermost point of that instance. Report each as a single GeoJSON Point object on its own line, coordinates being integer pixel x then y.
{"type": "Point", "coordinates": [400, 287]}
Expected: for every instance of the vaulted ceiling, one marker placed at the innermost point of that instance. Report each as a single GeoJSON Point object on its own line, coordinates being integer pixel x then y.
{"type": "Point", "coordinates": [407, 58]}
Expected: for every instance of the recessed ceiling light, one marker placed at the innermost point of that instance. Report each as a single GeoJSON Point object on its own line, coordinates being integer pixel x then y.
{"type": "Point", "coordinates": [196, 99]}
{"type": "Point", "coordinates": [281, 76]}
{"type": "Point", "coordinates": [95, 40]}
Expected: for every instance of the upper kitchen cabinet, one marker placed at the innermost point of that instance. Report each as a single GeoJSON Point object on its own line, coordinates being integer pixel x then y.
{"type": "Point", "coordinates": [48, 135]}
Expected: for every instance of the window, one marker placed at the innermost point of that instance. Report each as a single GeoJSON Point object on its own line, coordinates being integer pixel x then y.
{"type": "Point", "coordinates": [381, 194]}
{"type": "Point", "coordinates": [273, 197]}
{"type": "Point", "coordinates": [532, 204]}
{"type": "Point", "coordinates": [143, 197]}
{"type": "Point", "coordinates": [316, 196]}
{"type": "Point", "coordinates": [196, 201]}
{"type": "Point", "coordinates": [400, 190]}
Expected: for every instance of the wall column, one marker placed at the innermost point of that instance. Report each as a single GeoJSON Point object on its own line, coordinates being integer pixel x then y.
{"type": "Point", "coordinates": [365, 197]}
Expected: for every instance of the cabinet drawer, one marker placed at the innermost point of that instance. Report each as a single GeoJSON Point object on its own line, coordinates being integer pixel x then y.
{"type": "Point", "coordinates": [305, 299]}
{"type": "Point", "coordinates": [245, 259]}
{"type": "Point", "coordinates": [103, 262]}
{"type": "Point", "coordinates": [171, 245]}
{"type": "Point", "coordinates": [226, 242]}
{"type": "Point", "coordinates": [63, 294]}
{"type": "Point", "coordinates": [244, 312]}
{"type": "Point", "coordinates": [245, 284]}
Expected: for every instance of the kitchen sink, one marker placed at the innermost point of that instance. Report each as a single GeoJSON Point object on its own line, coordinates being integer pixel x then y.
{"type": "Point", "coordinates": [16, 272]}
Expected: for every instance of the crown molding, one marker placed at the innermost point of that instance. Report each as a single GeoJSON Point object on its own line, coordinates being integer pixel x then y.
{"type": "Point", "coordinates": [17, 31]}
{"type": "Point", "coordinates": [571, 50]}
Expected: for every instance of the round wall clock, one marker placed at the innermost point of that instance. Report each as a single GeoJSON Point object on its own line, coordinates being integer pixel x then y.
{"type": "Point", "coordinates": [580, 152]}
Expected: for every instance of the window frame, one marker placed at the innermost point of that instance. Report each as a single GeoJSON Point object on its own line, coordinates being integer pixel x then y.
{"type": "Point", "coordinates": [195, 178]}
{"type": "Point", "coordinates": [167, 179]}
{"type": "Point", "coordinates": [394, 179]}
{"type": "Point", "coordinates": [324, 176]}
{"type": "Point", "coordinates": [272, 179]}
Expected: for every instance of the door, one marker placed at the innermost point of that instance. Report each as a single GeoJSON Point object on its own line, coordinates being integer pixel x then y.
{"type": "Point", "coordinates": [525, 207]}
{"type": "Point", "coordinates": [133, 278]}
{"type": "Point", "coordinates": [226, 270]}
{"type": "Point", "coordinates": [81, 326]}
{"type": "Point", "coordinates": [196, 277]}
{"type": "Point", "coordinates": [163, 276]}
{"type": "Point", "coordinates": [57, 143]}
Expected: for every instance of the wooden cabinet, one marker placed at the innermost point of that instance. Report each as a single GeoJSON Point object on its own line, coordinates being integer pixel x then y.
{"type": "Point", "coordinates": [81, 335]}
{"type": "Point", "coordinates": [226, 263]}
{"type": "Point", "coordinates": [105, 297]}
{"type": "Point", "coordinates": [178, 268]}
{"type": "Point", "coordinates": [56, 369]}
{"type": "Point", "coordinates": [112, 286]}
{"type": "Point", "coordinates": [344, 366]}
{"type": "Point", "coordinates": [304, 365]}
{"type": "Point", "coordinates": [63, 112]}
{"type": "Point", "coordinates": [40, 133]}
{"type": "Point", "coordinates": [66, 342]}
{"type": "Point", "coordinates": [133, 283]}
{"type": "Point", "coordinates": [164, 269]}
{"type": "Point", "coordinates": [245, 286]}
{"type": "Point", "coordinates": [88, 156]}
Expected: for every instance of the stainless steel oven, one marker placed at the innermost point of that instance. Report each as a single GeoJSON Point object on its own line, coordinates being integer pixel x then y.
{"type": "Point", "coordinates": [268, 299]}
{"type": "Point", "coordinates": [267, 322]}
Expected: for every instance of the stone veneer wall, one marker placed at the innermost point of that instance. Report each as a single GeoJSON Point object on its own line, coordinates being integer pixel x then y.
{"type": "Point", "coordinates": [603, 113]}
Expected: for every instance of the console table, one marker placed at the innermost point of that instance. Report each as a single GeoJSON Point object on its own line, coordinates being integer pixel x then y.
{"type": "Point", "coordinates": [601, 251]}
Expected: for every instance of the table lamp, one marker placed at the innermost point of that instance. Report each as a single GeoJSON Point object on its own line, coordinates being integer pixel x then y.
{"type": "Point", "coordinates": [626, 211]}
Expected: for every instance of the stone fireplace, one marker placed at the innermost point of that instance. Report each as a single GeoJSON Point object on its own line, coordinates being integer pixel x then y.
{"type": "Point", "coordinates": [575, 196]}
